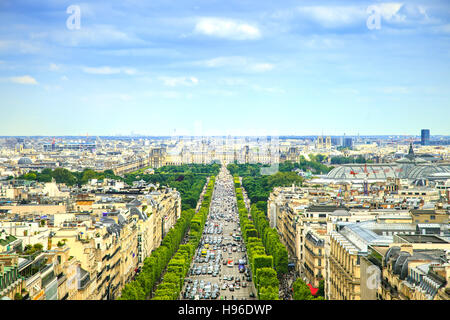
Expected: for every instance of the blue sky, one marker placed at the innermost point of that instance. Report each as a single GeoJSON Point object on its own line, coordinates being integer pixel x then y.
{"type": "Point", "coordinates": [224, 67]}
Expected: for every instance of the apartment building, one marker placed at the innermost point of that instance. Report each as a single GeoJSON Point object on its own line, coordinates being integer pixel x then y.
{"type": "Point", "coordinates": [39, 278]}
{"type": "Point", "coordinates": [65, 267]}
{"type": "Point", "coordinates": [34, 209]}
{"type": "Point", "coordinates": [416, 267]}
{"type": "Point", "coordinates": [435, 215]}
{"type": "Point", "coordinates": [89, 256]}
{"type": "Point", "coordinates": [11, 283]}
{"type": "Point", "coordinates": [356, 248]}
{"type": "Point", "coordinates": [314, 260]}
{"type": "Point", "coordinates": [9, 243]}
{"type": "Point", "coordinates": [28, 232]}
{"type": "Point", "coordinates": [344, 276]}
{"type": "Point", "coordinates": [107, 255]}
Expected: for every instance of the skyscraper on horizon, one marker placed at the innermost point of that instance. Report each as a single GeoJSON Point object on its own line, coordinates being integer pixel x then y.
{"type": "Point", "coordinates": [425, 137]}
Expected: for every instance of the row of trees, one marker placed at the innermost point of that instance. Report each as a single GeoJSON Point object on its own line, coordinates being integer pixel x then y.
{"type": "Point", "coordinates": [209, 169]}
{"type": "Point", "coordinates": [314, 165]}
{"type": "Point", "coordinates": [188, 179]}
{"type": "Point", "coordinates": [344, 160]}
{"type": "Point", "coordinates": [169, 255]}
{"type": "Point", "coordinates": [155, 264]}
{"type": "Point", "coordinates": [178, 267]}
{"type": "Point", "coordinates": [259, 187]}
{"type": "Point", "coordinates": [270, 240]}
{"type": "Point", "coordinates": [262, 264]}
{"type": "Point", "coordinates": [67, 177]}
{"type": "Point", "coordinates": [190, 185]}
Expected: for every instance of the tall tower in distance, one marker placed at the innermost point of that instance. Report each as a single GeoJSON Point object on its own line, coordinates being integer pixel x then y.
{"type": "Point", "coordinates": [425, 137]}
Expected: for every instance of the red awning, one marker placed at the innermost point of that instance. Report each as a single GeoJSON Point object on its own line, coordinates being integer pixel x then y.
{"type": "Point", "coordinates": [312, 289]}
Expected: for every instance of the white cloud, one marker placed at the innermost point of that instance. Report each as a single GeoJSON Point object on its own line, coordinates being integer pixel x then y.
{"type": "Point", "coordinates": [52, 87]}
{"type": "Point", "coordinates": [341, 16]}
{"type": "Point", "coordinates": [129, 71]}
{"type": "Point", "coordinates": [267, 89]}
{"type": "Point", "coordinates": [316, 42]}
{"type": "Point", "coordinates": [261, 67]}
{"type": "Point", "coordinates": [101, 70]}
{"type": "Point", "coordinates": [19, 46]}
{"type": "Point", "coordinates": [389, 11]}
{"type": "Point", "coordinates": [441, 29]}
{"type": "Point", "coordinates": [344, 91]}
{"type": "Point", "coordinates": [241, 63]}
{"type": "Point", "coordinates": [233, 81]}
{"type": "Point", "coordinates": [227, 29]}
{"type": "Point", "coordinates": [24, 80]}
{"type": "Point", "coordinates": [125, 97]}
{"type": "Point", "coordinates": [334, 16]}
{"type": "Point", "coordinates": [108, 70]}
{"type": "Point", "coordinates": [54, 67]}
{"type": "Point", "coordinates": [223, 62]}
{"type": "Point", "coordinates": [94, 36]}
{"type": "Point", "coordinates": [177, 81]}
{"type": "Point", "coordinates": [394, 90]}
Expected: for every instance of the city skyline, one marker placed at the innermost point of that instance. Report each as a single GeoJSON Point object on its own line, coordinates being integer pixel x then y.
{"type": "Point", "coordinates": [247, 68]}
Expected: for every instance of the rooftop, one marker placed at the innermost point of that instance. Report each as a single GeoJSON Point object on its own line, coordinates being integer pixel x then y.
{"type": "Point", "coordinates": [419, 238]}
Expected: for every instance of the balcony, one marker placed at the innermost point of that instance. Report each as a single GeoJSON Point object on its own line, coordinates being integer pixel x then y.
{"type": "Point", "coordinates": [61, 279]}
{"type": "Point", "coordinates": [84, 280]}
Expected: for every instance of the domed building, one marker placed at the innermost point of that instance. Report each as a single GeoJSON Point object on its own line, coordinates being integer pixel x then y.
{"type": "Point", "coordinates": [24, 161]}
{"type": "Point", "coordinates": [410, 167]}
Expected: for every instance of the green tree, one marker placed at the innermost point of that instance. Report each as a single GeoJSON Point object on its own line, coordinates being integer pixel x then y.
{"type": "Point", "coordinates": [301, 291]}
{"type": "Point", "coordinates": [38, 247]}
{"type": "Point", "coordinates": [132, 291]}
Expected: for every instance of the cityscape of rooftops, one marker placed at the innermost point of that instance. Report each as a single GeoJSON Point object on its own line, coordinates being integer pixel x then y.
{"type": "Point", "coordinates": [224, 150]}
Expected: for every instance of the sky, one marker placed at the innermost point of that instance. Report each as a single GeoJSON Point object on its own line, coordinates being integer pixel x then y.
{"type": "Point", "coordinates": [239, 67]}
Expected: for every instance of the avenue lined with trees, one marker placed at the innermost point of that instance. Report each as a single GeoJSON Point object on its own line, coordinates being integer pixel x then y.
{"type": "Point", "coordinates": [172, 257]}
{"type": "Point", "coordinates": [261, 263]}
{"type": "Point", "coordinates": [168, 265]}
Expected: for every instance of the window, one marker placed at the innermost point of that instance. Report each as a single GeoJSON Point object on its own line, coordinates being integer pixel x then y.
{"type": "Point", "coordinates": [433, 217]}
